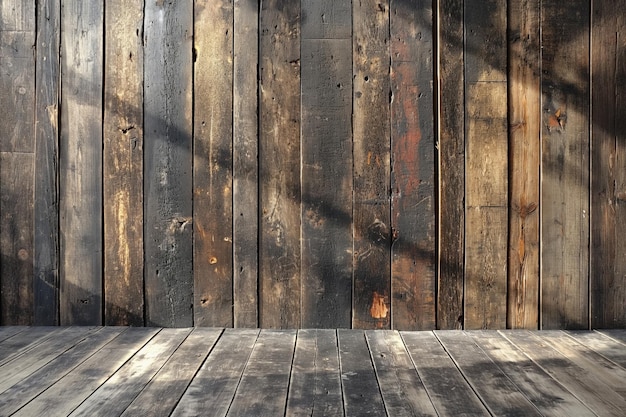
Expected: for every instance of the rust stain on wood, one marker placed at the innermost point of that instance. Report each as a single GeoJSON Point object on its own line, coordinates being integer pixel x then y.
{"type": "Point", "coordinates": [379, 309]}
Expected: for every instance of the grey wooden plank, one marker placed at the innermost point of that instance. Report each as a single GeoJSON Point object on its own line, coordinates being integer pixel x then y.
{"type": "Point", "coordinates": [23, 341]}
{"type": "Point", "coordinates": [10, 331]}
{"type": "Point", "coordinates": [593, 392]}
{"type": "Point", "coordinates": [46, 235]}
{"type": "Point", "coordinates": [602, 344]}
{"type": "Point", "coordinates": [164, 391]}
{"type": "Point", "coordinates": [448, 390]}
{"type": "Point", "coordinates": [401, 387]}
{"type": "Point", "coordinates": [315, 386]}
{"type": "Point", "coordinates": [326, 19]}
{"type": "Point", "coordinates": [21, 393]}
{"type": "Point", "coordinates": [80, 163]}
{"type": "Point", "coordinates": [112, 397]}
{"type": "Point", "coordinates": [265, 380]}
{"type": "Point", "coordinates": [245, 163]}
{"type": "Point", "coordinates": [494, 388]}
{"type": "Point", "coordinates": [617, 334]}
{"type": "Point", "coordinates": [168, 248]}
{"type": "Point", "coordinates": [70, 391]}
{"type": "Point", "coordinates": [590, 361]}
{"type": "Point", "coordinates": [24, 365]}
{"type": "Point", "coordinates": [550, 397]}
{"type": "Point", "coordinates": [361, 395]}
{"type": "Point", "coordinates": [213, 387]}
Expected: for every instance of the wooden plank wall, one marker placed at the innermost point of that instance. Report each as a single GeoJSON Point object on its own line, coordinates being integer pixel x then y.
{"type": "Point", "coordinates": [406, 164]}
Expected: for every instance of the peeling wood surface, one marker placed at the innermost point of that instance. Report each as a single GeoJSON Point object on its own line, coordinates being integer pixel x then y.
{"type": "Point", "coordinates": [232, 372]}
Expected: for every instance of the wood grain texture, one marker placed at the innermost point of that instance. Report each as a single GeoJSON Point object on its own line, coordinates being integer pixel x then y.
{"type": "Point", "coordinates": [326, 87]}
{"type": "Point", "coordinates": [46, 205]}
{"type": "Point", "coordinates": [165, 390]}
{"type": "Point", "coordinates": [279, 165]}
{"type": "Point", "coordinates": [486, 149]}
{"type": "Point", "coordinates": [213, 164]}
{"type": "Point", "coordinates": [524, 102]}
{"type": "Point", "coordinates": [245, 163]}
{"type": "Point", "coordinates": [361, 395]}
{"type": "Point", "coordinates": [451, 100]}
{"type": "Point", "coordinates": [16, 238]}
{"type": "Point", "coordinates": [265, 380]}
{"type": "Point", "coordinates": [215, 384]}
{"type": "Point", "coordinates": [608, 193]}
{"type": "Point", "coordinates": [123, 164]}
{"type": "Point", "coordinates": [17, 141]}
{"type": "Point", "coordinates": [315, 384]}
{"type": "Point", "coordinates": [80, 163]}
{"type": "Point", "coordinates": [371, 300]}
{"type": "Point", "coordinates": [565, 165]}
{"type": "Point", "coordinates": [413, 267]}
{"type": "Point", "coordinates": [168, 175]}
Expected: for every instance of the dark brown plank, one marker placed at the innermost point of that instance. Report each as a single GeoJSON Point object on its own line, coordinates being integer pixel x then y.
{"type": "Point", "coordinates": [167, 163]}
{"type": "Point", "coordinates": [17, 93]}
{"type": "Point", "coordinates": [413, 208]}
{"type": "Point", "coordinates": [564, 165]}
{"type": "Point", "coordinates": [46, 208]}
{"type": "Point", "coordinates": [245, 163]}
{"type": "Point", "coordinates": [524, 150]}
{"type": "Point", "coordinates": [486, 165]}
{"type": "Point", "coordinates": [371, 152]}
{"type": "Point", "coordinates": [497, 392]}
{"type": "Point", "coordinates": [401, 387]}
{"type": "Point", "coordinates": [212, 169]}
{"type": "Point", "coordinates": [123, 164]}
{"type": "Point", "coordinates": [16, 237]}
{"type": "Point", "coordinates": [23, 392]}
{"type": "Point", "coordinates": [326, 164]}
{"type": "Point", "coordinates": [550, 398]}
{"type": "Point", "coordinates": [315, 384]}
{"type": "Point", "coordinates": [279, 165]}
{"type": "Point", "coordinates": [448, 390]}
{"type": "Point", "coordinates": [590, 390]}
{"type": "Point", "coordinates": [80, 163]}
{"type": "Point", "coordinates": [361, 396]}
{"type": "Point", "coordinates": [114, 396]}
{"type": "Point", "coordinates": [608, 188]}
{"type": "Point", "coordinates": [265, 380]}
{"type": "Point", "coordinates": [165, 390]}
{"type": "Point", "coordinates": [452, 156]}
{"type": "Point", "coordinates": [213, 387]}
{"type": "Point", "coordinates": [71, 390]}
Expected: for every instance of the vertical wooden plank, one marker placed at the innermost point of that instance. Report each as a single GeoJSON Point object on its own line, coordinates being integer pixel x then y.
{"type": "Point", "coordinates": [17, 93]}
{"type": "Point", "coordinates": [413, 166]}
{"type": "Point", "coordinates": [245, 163]}
{"type": "Point", "coordinates": [451, 158]}
{"type": "Point", "coordinates": [279, 165]}
{"type": "Point", "coordinates": [565, 164]}
{"type": "Point", "coordinates": [123, 164]}
{"type": "Point", "coordinates": [524, 151]}
{"type": "Point", "coordinates": [608, 189]}
{"type": "Point", "coordinates": [213, 163]}
{"type": "Point", "coordinates": [371, 153]}
{"type": "Point", "coordinates": [80, 162]}
{"type": "Point", "coordinates": [167, 163]}
{"type": "Point", "coordinates": [326, 163]}
{"type": "Point", "coordinates": [46, 209]}
{"type": "Point", "coordinates": [16, 237]}
{"type": "Point", "coordinates": [486, 165]}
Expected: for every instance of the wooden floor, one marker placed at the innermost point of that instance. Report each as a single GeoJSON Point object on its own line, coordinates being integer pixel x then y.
{"type": "Point", "coordinates": [112, 371]}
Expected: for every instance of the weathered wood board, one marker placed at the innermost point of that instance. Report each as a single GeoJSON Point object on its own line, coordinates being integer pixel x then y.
{"type": "Point", "coordinates": [168, 243]}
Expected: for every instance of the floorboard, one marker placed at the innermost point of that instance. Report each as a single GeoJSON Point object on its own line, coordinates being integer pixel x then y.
{"type": "Point", "coordinates": [113, 371]}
